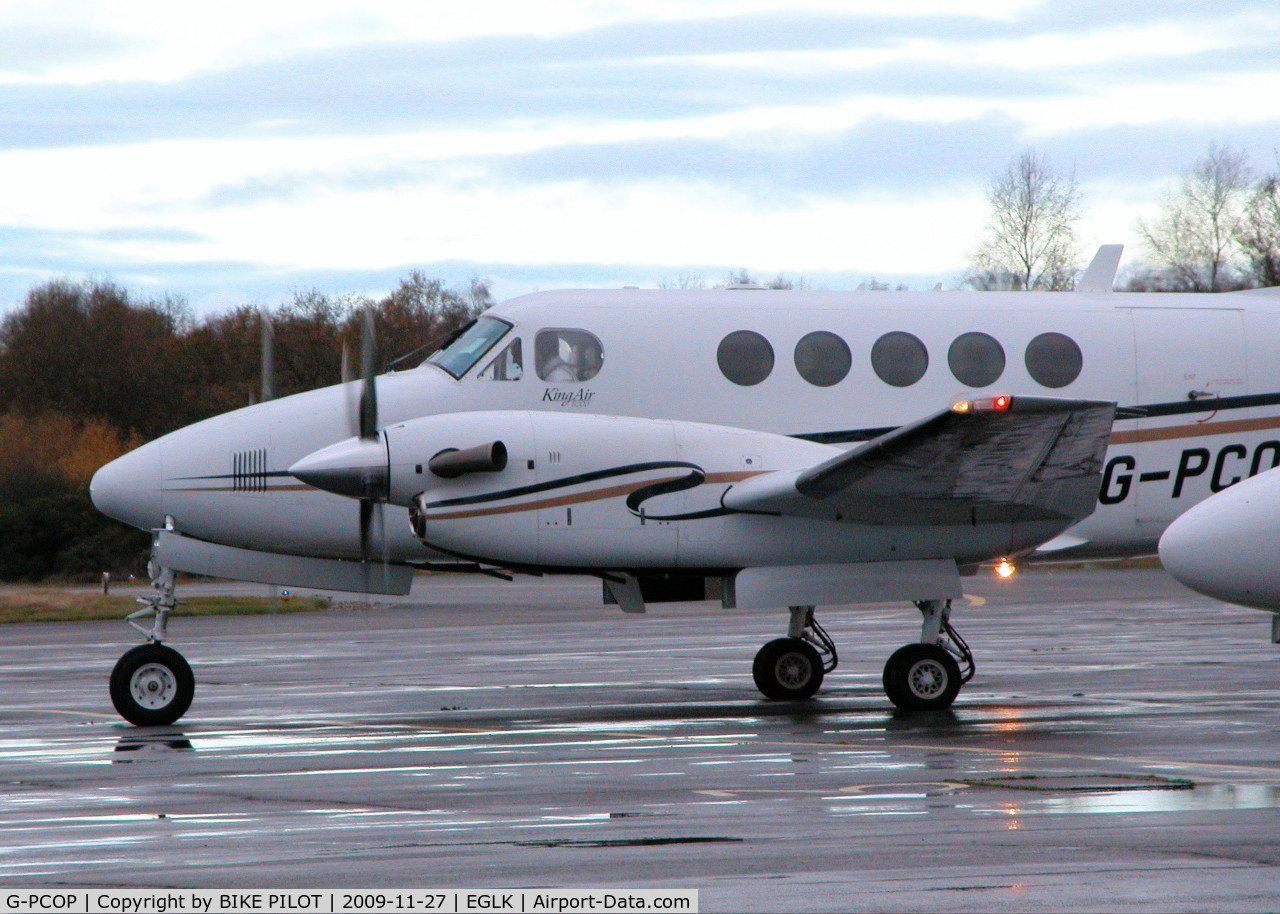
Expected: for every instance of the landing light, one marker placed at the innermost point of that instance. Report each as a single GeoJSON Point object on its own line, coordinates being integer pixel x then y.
{"type": "Point", "coordinates": [1005, 568]}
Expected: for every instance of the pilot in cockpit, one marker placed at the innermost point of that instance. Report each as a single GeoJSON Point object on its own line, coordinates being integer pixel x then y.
{"type": "Point", "coordinates": [552, 366]}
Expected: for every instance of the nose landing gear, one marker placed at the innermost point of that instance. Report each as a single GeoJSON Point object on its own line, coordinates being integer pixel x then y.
{"type": "Point", "coordinates": [152, 685]}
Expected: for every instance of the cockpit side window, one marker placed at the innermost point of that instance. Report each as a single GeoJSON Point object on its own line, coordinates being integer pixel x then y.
{"type": "Point", "coordinates": [507, 366]}
{"type": "Point", "coordinates": [470, 347]}
{"type": "Point", "coordinates": [567, 356]}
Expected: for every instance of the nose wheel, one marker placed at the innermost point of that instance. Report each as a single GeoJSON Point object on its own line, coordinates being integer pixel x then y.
{"type": "Point", "coordinates": [152, 685]}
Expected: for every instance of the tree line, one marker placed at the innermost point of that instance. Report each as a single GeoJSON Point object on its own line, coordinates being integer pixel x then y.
{"type": "Point", "coordinates": [1217, 228]}
{"type": "Point", "coordinates": [89, 371]}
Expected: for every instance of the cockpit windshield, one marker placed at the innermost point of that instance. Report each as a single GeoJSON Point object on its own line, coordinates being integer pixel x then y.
{"type": "Point", "coordinates": [470, 346]}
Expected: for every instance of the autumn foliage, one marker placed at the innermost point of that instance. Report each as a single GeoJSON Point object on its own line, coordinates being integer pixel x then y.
{"type": "Point", "coordinates": [89, 372]}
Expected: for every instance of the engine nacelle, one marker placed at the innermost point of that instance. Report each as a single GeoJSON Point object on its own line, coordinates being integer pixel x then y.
{"type": "Point", "coordinates": [570, 491]}
{"type": "Point", "coordinates": [581, 491]}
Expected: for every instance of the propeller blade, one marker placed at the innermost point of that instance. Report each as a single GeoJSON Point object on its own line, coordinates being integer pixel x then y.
{"type": "Point", "coordinates": [373, 532]}
{"type": "Point", "coordinates": [369, 391]}
{"type": "Point", "coordinates": [268, 358]}
{"type": "Point", "coordinates": [366, 528]}
{"type": "Point", "coordinates": [347, 375]}
{"type": "Point", "coordinates": [373, 485]}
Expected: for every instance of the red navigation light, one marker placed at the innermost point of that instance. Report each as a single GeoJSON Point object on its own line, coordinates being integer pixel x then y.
{"type": "Point", "coordinates": [1002, 402]}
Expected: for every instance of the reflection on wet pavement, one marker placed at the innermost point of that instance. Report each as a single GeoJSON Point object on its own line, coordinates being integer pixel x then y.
{"type": "Point", "coordinates": [493, 745]}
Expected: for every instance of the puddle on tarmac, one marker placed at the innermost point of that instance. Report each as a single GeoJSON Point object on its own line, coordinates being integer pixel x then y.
{"type": "Point", "coordinates": [1201, 798]}
{"type": "Point", "coordinates": [1034, 795]}
{"type": "Point", "coordinates": [1132, 796]}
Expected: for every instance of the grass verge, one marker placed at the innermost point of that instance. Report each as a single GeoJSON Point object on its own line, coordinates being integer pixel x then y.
{"type": "Point", "coordinates": [55, 605]}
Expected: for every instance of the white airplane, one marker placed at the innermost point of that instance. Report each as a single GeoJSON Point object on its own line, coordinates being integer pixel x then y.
{"type": "Point", "coordinates": [1228, 546]}
{"type": "Point", "coordinates": [766, 448]}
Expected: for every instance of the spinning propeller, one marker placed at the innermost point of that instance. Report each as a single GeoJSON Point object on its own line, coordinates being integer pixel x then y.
{"type": "Point", "coordinates": [357, 467]}
{"type": "Point", "coordinates": [375, 482]}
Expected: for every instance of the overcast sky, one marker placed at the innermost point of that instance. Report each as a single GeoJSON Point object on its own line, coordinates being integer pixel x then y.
{"type": "Point", "coordinates": [234, 152]}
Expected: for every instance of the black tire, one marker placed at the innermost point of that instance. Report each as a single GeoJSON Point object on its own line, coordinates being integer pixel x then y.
{"type": "Point", "coordinates": [922, 677]}
{"type": "Point", "coordinates": [152, 685]}
{"type": "Point", "coordinates": [787, 669]}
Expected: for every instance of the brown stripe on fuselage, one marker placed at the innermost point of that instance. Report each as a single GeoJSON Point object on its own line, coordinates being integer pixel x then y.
{"type": "Point", "coordinates": [1173, 432]}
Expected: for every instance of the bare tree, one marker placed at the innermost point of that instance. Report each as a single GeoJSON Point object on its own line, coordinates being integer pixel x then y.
{"type": "Point", "coordinates": [743, 277]}
{"type": "Point", "coordinates": [1030, 238]}
{"type": "Point", "coordinates": [1260, 230]}
{"type": "Point", "coordinates": [685, 280]}
{"type": "Point", "coordinates": [875, 285]}
{"type": "Point", "coordinates": [1194, 238]}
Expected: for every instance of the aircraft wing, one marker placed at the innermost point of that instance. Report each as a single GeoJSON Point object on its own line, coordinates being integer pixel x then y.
{"type": "Point", "coordinates": [984, 461]}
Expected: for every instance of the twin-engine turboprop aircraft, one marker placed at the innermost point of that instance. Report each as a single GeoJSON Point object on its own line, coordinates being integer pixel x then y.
{"type": "Point", "coordinates": [764, 448]}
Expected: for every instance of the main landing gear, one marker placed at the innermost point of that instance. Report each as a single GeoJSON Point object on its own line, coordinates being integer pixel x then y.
{"type": "Point", "coordinates": [927, 675]}
{"type": "Point", "coordinates": [152, 685]}
{"type": "Point", "coordinates": [793, 667]}
{"type": "Point", "coordinates": [923, 675]}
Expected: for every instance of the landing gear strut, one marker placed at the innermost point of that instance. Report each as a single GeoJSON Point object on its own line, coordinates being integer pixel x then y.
{"type": "Point", "coordinates": [792, 668]}
{"type": "Point", "coordinates": [928, 674]}
{"type": "Point", "coordinates": [152, 685]}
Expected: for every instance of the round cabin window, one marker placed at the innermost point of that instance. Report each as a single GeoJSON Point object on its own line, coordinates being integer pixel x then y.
{"type": "Point", "coordinates": [823, 359]}
{"type": "Point", "coordinates": [745, 357]}
{"type": "Point", "coordinates": [899, 359]}
{"type": "Point", "coordinates": [1054, 359]}
{"type": "Point", "coordinates": [976, 359]}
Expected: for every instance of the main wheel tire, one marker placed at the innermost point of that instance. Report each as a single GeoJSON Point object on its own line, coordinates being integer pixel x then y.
{"type": "Point", "coordinates": [152, 685]}
{"type": "Point", "coordinates": [787, 669]}
{"type": "Point", "coordinates": [922, 677]}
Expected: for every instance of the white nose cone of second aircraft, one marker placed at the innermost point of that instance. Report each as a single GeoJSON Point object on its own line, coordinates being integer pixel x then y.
{"type": "Point", "coordinates": [1228, 546]}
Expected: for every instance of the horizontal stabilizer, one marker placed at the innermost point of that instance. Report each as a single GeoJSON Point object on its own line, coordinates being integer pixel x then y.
{"type": "Point", "coordinates": [1025, 459]}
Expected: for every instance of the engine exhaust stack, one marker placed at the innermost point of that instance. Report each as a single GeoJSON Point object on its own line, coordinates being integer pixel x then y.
{"type": "Point", "coordinates": [483, 458]}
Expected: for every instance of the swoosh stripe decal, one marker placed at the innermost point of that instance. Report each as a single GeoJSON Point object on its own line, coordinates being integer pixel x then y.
{"type": "Point", "coordinates": [627, 489]}
{"type": "Point", "coordinates": [563, 483]}
{"type": "Point", "coordinates": [557, 502]}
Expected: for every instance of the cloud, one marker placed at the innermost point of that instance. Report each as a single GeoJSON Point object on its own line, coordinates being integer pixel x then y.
{"type": "Point", "coordinates": [32, 50]}
{"type": "Point", "coordinates": [881, 155]}
{"type": "Point", "coordinates": [31, 250]}
{"type": "Point", "coordinates": [893, 155]}
{"type": "Point", "coordinates": [636, 71]}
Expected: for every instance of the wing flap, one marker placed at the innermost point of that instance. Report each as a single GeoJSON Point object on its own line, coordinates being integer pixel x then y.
{"type": "Point", "coordinates": [1032, 458]}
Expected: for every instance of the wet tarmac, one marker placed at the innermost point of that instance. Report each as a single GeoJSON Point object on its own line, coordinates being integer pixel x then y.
{"type": "Point", "coordinates": [1119, 749]}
